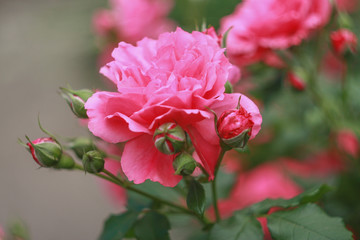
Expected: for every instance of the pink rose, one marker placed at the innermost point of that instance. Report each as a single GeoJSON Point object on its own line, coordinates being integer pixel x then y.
{"type": "Point", "coordinates": [135, 19]}
{"type": "Point", "coordinates": [258, 27]}
{"type": "Point", "coordinates": [172, 79]}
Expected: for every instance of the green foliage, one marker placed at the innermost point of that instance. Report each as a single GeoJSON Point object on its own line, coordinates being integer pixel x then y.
{"type": "Point", "coordinates": [117, 226]}
{"type": "Point", "coordinates": [238, 227]}
{"type": "Point", "coordinates": [196, 197]}
{"type": "Point", "coordinates": [306, 222]}
{"type": "Point", "coordinates": [312, 195]}
{"type": "Point", "coordinates": [153, 226]}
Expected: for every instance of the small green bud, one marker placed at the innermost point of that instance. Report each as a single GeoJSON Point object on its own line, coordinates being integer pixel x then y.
{"type": "Point", "coordinates": [93, 161]}
{"type": "Point", "coordinates": [76, 100]}
{"type": "Point", "coordinates": [65, 162]}
{"type": "Point", "coordinates": [45, 151]}
{"type": "Point", "coordinates": [169, 138]}
{"type": "Point", "coordinates": [184, 164]}
{"type": "Point", "coordinates": [81, 145]}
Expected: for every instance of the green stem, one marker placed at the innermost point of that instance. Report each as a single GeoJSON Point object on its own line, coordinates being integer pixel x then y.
{"type": "Point", "coordinates": [114, 179]}
{"type": "Point", "coordinates": [213, 184]}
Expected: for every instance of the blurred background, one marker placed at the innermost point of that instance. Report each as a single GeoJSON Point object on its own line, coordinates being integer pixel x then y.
{"type": "Point", "coordinates": [45, 44]}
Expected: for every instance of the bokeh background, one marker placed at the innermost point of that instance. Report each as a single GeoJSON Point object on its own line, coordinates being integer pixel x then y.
{"type": "Point", "coordinates": [45, 44]}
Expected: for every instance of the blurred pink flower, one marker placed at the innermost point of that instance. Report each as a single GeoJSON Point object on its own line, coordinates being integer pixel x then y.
{"type": "Point", "coordinates": [342, 40]}
{"type": "Point", "coordinates": [2, 233]}
{"type": "Point", "coordinates": [133, 20]}
{"type": "Point", "coordinates": [260, 183]}
{"type": "Point", "coordinates": [258, 27]}
{"type": "Point", "coordinates": [172, 79]}
{"type": "Point", "coordinates": [347, 5]}
{"type": "Point", "coordinates": [348, 142]}
{"type": "Point", "coordinates": [321, 164]}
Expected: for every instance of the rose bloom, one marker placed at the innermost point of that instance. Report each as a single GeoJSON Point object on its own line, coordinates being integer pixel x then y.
{"type": "Point", "coordinates": [260, 183]}
{"type": "Point", "coordinates": [173, 79]}
{"type": "Point", "coordinates": [130, 21]}
{"type": "Point", "coordinates": [258, 27]}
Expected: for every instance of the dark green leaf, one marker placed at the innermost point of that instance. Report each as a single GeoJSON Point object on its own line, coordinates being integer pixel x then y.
{"type": "Point", "coordinates": [238, 227]}
{"type": "Point", "coordinates": [311, 195]}
{"type": "Point", "coordinates": [196, 197]}
{"type": "Point", "coordinates": [307, 222]}
{"type": "Point", "coordinates": [153, 226]}
{"type": "Point", "coordinates": [117, 226]}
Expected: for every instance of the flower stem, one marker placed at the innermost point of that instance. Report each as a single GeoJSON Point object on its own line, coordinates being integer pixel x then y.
{"type": "Point", "coordinates": [213, 184]}
{"type": "Point", "coordinates": [114, 179]}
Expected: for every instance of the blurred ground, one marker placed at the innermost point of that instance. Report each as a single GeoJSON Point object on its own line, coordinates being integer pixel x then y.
{"type": "Point", "coordinates": [45, 44]}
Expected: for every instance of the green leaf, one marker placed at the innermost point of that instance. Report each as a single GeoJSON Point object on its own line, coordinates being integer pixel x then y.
{"type": "Point", "coordinates": [153, 226]}
{"type": "Point", "coordinates": [307, 222]}
{"type": "Point", "coordinates": [117, 226]}
{"type": "Point", "coordinates": [238, 227]}
{"type": "Point", "coordinates": [309, 196]}
{"type": "Point", "coordinates": [196, 197]}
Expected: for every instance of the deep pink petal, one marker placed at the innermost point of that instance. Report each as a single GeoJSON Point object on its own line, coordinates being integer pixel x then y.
{"type": "Point", "coordinates": [141, 161]}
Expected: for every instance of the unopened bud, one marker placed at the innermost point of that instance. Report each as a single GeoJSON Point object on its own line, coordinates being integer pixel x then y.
{"type": "Point", "coordinates": [65, 162]}
{"type": "Point", "coordinates": [76, 100]}
{"type": "Point", "coordinates": [93, 161]}
{"type": "Point", "coordinates": [234, 127]}
{"type": "Point", "coordinates": [343, 40]}
{"type": "Point", "coordinates": [296, 81]}
{"type": "Point", "coordinates": [169, 138]}
{"type": "Point", "coordinates": [184, 164]}
{"type": "Point", "coordinates": [45, 151]}
{"type": "Point", "coordinates": [81, 145]}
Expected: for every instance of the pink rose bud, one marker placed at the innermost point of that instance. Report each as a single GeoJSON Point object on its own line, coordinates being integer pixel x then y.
{"type": "Point", "coordinates": [76, 100]}
{"type": "Point", "coordinates": [296, 82]}
{"type": "Point", "coordinates": [93, 161]}
{"type": "Point", "coordinates": [169, 138]}
{"type": "Point", "coordinates": [343, 40]}
{"type": "Point", "coordinates": [45, 151]}
{"type": "Point", "coordinates": [234, 127]}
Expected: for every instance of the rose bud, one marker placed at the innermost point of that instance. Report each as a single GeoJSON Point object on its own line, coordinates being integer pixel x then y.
{"type": "Point", "coordinates": [169, 138]}
{"type": "Point", "coordinates": [296, 82]}
{"type": "Point", "coordinates": [76, 100]}
{"type": "Point", "coordinates": [234, 127]}
{"type": "Point", "coordinates": [184, 164]}
{"type": "Point", "coordinates": [93, 161]}
{"type": "Point", "coordinates": [65, 162]}
{"type": "Point", "coordinates": [81, 145]}
{"type": "Point", "coordinates": [343, 40]}
{"type": "Point", "coordinates": [45, 151]}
